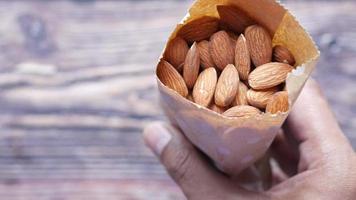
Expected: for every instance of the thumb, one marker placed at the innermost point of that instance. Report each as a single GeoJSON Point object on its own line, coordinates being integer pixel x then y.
{"type": "Point", "coordinates": [187, 166]}
{"type": "Point", "coordinates": [183, 162]}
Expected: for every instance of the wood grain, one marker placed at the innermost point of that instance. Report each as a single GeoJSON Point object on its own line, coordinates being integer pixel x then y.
{"type": "Point", "coordinates": [77, 87]}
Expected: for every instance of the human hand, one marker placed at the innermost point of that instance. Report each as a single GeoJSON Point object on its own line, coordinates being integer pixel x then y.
{"type": "Point", "coordinates": [315, 160]}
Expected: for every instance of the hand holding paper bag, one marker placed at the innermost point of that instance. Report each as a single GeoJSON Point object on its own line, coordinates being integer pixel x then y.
{"type": "Point", "coordinates": [236, 143]}
{"type": "Point", "coordinates": [315, 159]}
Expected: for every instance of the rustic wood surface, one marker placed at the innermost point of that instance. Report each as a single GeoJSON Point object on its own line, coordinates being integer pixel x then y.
{"type": "Point", "coordinates": [77, 87]}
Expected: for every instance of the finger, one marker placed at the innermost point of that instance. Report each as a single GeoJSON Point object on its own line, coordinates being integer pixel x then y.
{"type": "Point", "coordinates": [183, 162]}
{"type": "Point", "coordinates": [285, 154]}
{"type": "Point", "coordinates": [314, 126]}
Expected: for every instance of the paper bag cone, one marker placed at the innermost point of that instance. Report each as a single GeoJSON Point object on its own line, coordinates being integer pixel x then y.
{"type": "Point", "coordinates": [236, 143]}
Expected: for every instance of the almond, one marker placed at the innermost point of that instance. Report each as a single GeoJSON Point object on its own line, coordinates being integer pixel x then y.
{"type": "Point", "coordinates": [222, 50]}
{"type": "Point", "coordinates": [170, 77]}
{"type": "Point", "coordinates": [227, 86]}
{"type": "Point", "coordinates": [242, 58]}
{"type": "Point", "coordinates": [260, 98]}
{"type": "Point", "coordinates": [176, 52]}
{"type": "Point", "coordinates": [241, 96]}
{"type": "Point", "coordinates": [278, 103]}
{"type": "Point", "coordinates": [217, 109]}
{"type": "Point", "coordinates": [282, 54]}
{"type": "Point", "coordinates": [204, 51]}
{"type": "Point", "coordinates": [242, 111]}
{"type": "Point", "coordinates": [204, 87]}
{"type": "Point", "coordinates": [260, 45]}
{"type": "Point", "coordinates": [269, 75]}
{"type": "Point", "coordinates": [234, 18]}
{"type": "Point", "coordinates": [199, 29]}
{"type": "Point", "coordinates": [191, 66]}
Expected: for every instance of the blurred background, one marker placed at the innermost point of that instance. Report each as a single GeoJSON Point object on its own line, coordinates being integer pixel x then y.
{"type": "Point", "coordinates": [77, 87]}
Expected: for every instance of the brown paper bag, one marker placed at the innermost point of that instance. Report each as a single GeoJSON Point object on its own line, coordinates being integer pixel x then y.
{"type": "Point", "coordinates": [236, 143]}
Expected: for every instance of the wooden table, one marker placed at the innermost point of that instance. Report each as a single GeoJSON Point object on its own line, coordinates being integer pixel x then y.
{"type": "Point", "coordinates": [77, 87]}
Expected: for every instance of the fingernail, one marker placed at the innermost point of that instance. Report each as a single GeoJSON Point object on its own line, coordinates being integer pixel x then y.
{"type": "Point", "coordinates": [156, 137]}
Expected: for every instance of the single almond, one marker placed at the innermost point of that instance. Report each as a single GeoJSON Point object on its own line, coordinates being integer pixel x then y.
{"type": "Point", "coordinates": [170, 77]}
{"type": "Point", "coordinates": [227, 86]}
{"type": "Point", "coordinates": [217, 109]}
{"type": "Point", "coordinates": [222, 50]}
{"type": "Point", "coordinates": [260, 44]}
{"type": "Point", "coordinates": [241, 96]}
{"type": "Point", "coordinates": [282, 54]}
{"type": "Point", "coordinates": [260, 98]}
{"type": "Point", "coordinates": [242, 58]}
{"type": "Point", "coordinates": [199, 29]}
{"type": "Point", "coordinates": [278, 103]}
{"type": "Point", "coordinates": [269, 75]}
{"type": "Point", "coordinates": [176, 52]}
{"type": "Point", "coordinates": [205, 57]}
{"type": "Point", "coordinates": [242, 111]}
{"type": "Point", "coordinates": [204, 88]}
{"type": "Point", "coordinates": [191, 66]}
{"type": "Point", "coordinates": [234, 18]}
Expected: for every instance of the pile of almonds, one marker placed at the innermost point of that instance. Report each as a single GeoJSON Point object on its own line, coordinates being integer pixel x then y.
{"type": "Point", "coordinates": [235, 72]}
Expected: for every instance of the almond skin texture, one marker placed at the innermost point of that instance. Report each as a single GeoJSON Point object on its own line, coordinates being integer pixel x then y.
{"type": "Point", "coordinates": [176, 52]}
{"type": "Point", "coordinates": [226, 88]}
{"type": "Point", "coordinates": [260, 45]}
{"type": "Point", "coordinates": [199, 29]}
{"type": "Point", "coordinates": [204, 87]}
{"type": "Point", "coordinates": [278, 103]}
{"type": "Point", "coordinates": [222, 50]}
{"type": "Point", "coordinates": [241, 96]}
{"type": "Point", "coordinates": [205, 57]}
{"type": "Point", "coordinates": [217, 109]}
{"type": "Point", "coordinates": [242, 58]}
{"type": "Point", "coordinates": [260, 98]}
{"type": "Point", "coordinates": [170, 77]}
{"type": "Point", "coordinates": [191, 66]}
{"type": "Point", "coordinates": [234, 18]}
{"type": "Point", "coordinates": [242, 111]}
{"type": "Point", "coordinates": [269, 75]}
{"type": "Point", "coordinates": [283, 55]}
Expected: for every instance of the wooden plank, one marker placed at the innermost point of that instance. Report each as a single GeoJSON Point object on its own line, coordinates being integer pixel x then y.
{"type": "Point", "coordinates": [77, 87]}
{"type": "Point", "coordinates": [90, 190]}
